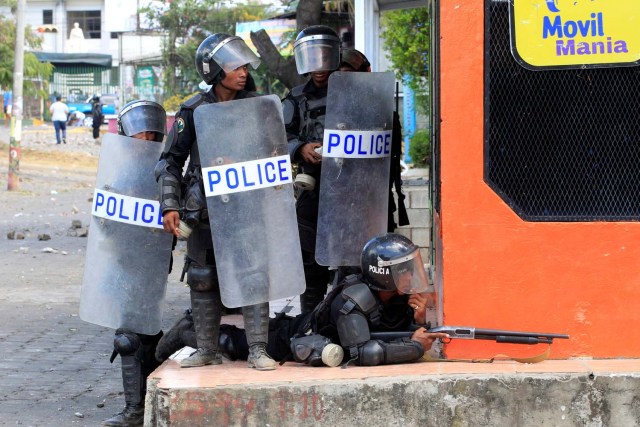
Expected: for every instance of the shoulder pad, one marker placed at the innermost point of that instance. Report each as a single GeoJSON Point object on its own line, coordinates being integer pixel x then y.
{"type": "Point", "coordinates": [358, 296]}
{"type": "Point", "coordinates": [193, 102]}
{"type": "Point", "coordinates": [297, 91]}
{"type": "Point", "coordinates": [288, 110]}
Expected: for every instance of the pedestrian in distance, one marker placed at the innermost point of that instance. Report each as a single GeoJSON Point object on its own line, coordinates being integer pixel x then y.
{"type": "Point", "coordinates": [76, 118]}
{"type": "Point", "coordinates": [222, 61]}
{"type": "Point", "coordinates": [59, 112]}
{"type": "Point", "coordinates": [98, 116]}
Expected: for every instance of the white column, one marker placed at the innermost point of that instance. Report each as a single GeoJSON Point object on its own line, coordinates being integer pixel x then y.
{"type": "Point", "coordinates": [367, 23]}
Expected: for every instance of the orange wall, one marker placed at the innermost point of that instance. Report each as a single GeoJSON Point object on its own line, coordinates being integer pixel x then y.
{"type": "Point", "coordinates": [500, 272]}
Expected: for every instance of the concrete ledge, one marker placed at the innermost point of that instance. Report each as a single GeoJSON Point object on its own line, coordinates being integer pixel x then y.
{"type": "Point", "coordinates": [550, 393]}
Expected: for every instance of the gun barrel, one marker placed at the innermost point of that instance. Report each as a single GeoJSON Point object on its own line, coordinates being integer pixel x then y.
{"type": "Point", "coordinates": [497, 332]}
{"type": "Point", "coordinates": [385, 336]}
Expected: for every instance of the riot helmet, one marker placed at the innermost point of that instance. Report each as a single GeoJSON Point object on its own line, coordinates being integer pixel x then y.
{"type": "Point", "coordinates": [220, 53]}
{"type": "Point", "coordinates": [392, 262]}
{"type": "Point", "coordinates": [354, 59]}
{"type": "Point", "coordinates": [142, 116]}
{"type": "Point", "coordinates": [317, 48]}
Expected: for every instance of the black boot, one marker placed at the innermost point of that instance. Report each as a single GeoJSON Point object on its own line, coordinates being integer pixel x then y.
{"type": "Point", "coordinates": [207, 310]}
{"type": "Point", "coordinates": [134, 383]}
{"type": "Point", "coordinates": [256, 326]}
{"type": "Point", "coordinates": [233, 343]}
{"type": "Point", "coordinates": [181, 334]}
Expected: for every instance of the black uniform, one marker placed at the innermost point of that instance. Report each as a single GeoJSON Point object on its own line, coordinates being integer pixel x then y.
{"type": "Point", "coordinates": [98, 117]}
{"type": "Point", "coordinates": [182, 143]}
{"type": "Point", "coordinates": [346, 316]}
{"type": "Point", "coordinates": [304, 111]}
{"type": "Point", "coordinates": [200, 266]}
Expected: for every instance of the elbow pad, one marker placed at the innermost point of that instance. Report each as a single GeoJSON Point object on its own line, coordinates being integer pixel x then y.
{"type": "Point", "coordinates": [169, 187]}
{"type": "Point", "coordinates": [376, 352]}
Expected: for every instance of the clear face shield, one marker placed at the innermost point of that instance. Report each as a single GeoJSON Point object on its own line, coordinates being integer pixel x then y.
{"type": "Point", "coordinates": [317, 53]}
{"type": "Point", "coordinates": [408, 273]}
{"type": "Point", "coordinates": [233, 53]}
{"type": "Point", "coordinates": [143, 116]}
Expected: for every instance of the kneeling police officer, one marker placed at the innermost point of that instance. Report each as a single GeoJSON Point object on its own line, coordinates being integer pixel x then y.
{"type": "Point", "coordinates": [388, 296]}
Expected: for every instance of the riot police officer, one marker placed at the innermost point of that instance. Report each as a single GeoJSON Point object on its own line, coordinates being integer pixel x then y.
{"type": "Point", "coordinates": [317, 53]}
{"type": "Point", "coordinates": [98, 116]}
{"type": "Point", "coordinates": [353, 60]}
{"type": "Point", "coordinates": [144, 120]}
{"type": "Point", "coordinates": [389, 295]}
{"type": "Point", "coordinates": [222, 61]}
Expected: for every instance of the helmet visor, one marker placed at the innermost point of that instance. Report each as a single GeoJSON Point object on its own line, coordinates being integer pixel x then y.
{"type": "Point", "coordinates": [143, 116]}
{"type": "Point", "coordinates": [233, 53]}
{"type": "Point", "coordinates": [317, 53]}
{"type": "Point", "coordinates": [408, 273]}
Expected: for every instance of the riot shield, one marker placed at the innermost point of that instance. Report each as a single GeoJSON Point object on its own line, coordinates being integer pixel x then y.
{"type": "Point", "coordinates": [128, 253]}
{"type": "Point", "coordinates": [356, 156]}
{"type": "Point", "coordinates": [248, 184]}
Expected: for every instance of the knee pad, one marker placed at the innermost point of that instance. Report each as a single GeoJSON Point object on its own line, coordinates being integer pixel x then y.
{"type": "Point", "coordinates": [371, 354]}
{"type": "Point", "coordinates": [202, 279]}
{"type": "Point", "coordinates": [126, 342]}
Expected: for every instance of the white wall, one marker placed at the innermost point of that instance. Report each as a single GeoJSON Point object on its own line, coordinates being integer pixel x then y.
{"type": "Point", "coordinates": [134, 46]}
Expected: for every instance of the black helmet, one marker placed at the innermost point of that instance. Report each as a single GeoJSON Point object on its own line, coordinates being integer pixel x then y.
{"type": "Point", "coordinates": [142, 116]}
{"type": "Point", "coordinates": [354, 59]}
{"type": "Point", "coordinates": [220, 53]}
{"type": "Point", "coordinates": [392, 262]}
{"type": "Point", "coordinates": [317, 48]}
{"type": "Point", "coordinates": [96, 97]}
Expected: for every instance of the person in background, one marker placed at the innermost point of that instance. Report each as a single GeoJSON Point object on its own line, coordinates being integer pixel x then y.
{"type": "Point", "coordinates": [76, 118]}
{"type": "Point", "coordinates": [98, 116]}
{"type": "Point", "coordinates": [59, 112]}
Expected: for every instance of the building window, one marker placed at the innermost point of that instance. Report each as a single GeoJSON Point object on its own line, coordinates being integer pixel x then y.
{"type": "Point", "coordinates": [89, 23]}
{"type": "Point", "coordinates": [47, 17]}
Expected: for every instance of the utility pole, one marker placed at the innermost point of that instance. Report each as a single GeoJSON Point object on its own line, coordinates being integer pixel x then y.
{"type": "Point", "coordinates": [15, 134]}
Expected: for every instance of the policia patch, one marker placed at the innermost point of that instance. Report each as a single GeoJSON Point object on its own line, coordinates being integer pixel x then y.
{"type": "Point", "coordinates": [180, 124]}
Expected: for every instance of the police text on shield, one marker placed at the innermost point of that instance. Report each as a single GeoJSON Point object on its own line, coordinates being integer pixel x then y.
{"type": "Point", "coordinates": [127, 209]}
{"type": "Point", "coordinates": [356, 144]}
{"type": "Point", "coordinates": [245, 176]}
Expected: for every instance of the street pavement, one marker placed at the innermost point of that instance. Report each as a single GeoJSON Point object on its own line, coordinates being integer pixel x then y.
{"type": "Point", "coordinates": [54, 367]}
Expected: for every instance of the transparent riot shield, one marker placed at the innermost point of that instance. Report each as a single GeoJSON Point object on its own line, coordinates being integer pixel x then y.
{"type": "Point", "coordinates": [356, 156]}
{"type": "Point", "coordinates": [247, 179]}
{"type": "Point", "coordinates": [128, 253]}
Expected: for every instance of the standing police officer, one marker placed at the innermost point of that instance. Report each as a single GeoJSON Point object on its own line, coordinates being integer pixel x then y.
{"type": "Point", "coordinates": [98, 116]}
{"type": "Point", "coordinates": [222, 61]}
{"type": "Point", "coordinates": [145, 120]}
{"type": "Point", "coordinates": [317, 52]}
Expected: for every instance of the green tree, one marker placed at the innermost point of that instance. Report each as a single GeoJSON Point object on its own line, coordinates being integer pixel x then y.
{"type": "Point", "coordinates": [187, 23]}
{"type": "Point", "coordinates": [407, 38]}
{"type": "Point", "coordinates": [36, 73]}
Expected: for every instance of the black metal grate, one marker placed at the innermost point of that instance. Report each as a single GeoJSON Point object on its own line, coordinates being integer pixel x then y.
{"type": "Point", "coordinates": [560, 145]}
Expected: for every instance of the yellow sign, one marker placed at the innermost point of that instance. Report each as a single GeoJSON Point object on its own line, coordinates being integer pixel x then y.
{"type": "Point", "coordinates": [575, 33]}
